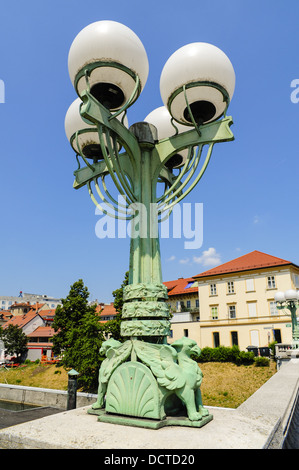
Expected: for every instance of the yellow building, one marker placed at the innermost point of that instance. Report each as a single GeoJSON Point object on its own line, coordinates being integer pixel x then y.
{"type": "Point", "coordinates": [184, 308]}
{"type": "Point", "coordinates": [237, 302]}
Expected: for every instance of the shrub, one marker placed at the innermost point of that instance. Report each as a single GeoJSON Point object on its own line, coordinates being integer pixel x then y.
{"type": "Point", "coordinates": [261, 361]}
{"type": "Point", "coordinates": [272, 348]}
{"type": "Point", "coordinates": [245, 358]}
{"type": "Point", "coordinates": [225, 354]}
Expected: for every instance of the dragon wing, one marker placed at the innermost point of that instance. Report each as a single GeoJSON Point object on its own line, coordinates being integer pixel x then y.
{"type": "Point", "coordinates": [115, 356]}
{"type": "Point", "coordinates": [161, 359]}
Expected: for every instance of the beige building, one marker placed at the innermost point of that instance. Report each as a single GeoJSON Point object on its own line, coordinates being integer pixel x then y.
{"type": "Point", "coordinates": [184, 308]}
{"type": "Point", "coordinates": [237, 302]}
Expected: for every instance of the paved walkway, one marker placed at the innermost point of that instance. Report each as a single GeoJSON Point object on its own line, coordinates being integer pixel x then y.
{"type": "Point", "coordinates": [11, 418]}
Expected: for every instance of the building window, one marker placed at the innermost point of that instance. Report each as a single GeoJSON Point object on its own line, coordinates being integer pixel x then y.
{"type": "Point", "coordinates": [213, 290]}
{"type": "Point", "coordinates": [277, 335]}
{"type": "Point", "coordinates": [216, 339]}
{"type": "Point", "coordinates": [230, 287]}
{"type": "Point", "coordinates": [197, 303]}
{"type": "Point", "coordinates": [251, 309]}
{"type": "Point", "coordinates": [214, 313]}
{"type": "Point", "coordinates": [249, 285]}
{"type": "Point", "coordinates": [271, 282]}
{"type": "Point", "coordinates": [234, 338]}
{"type": "Point", "coordinates": [188, 303]}
{"type": "Point", "coordinates": [231, 311]}
{"type": "Point", "coordinates": [273, 309]}
{"type": "Point", "coordinates": [171, 334]}
{"type": "Point", "coordinates": [186, 333]}
{"type": "Point", "coordinates": [296, 280]}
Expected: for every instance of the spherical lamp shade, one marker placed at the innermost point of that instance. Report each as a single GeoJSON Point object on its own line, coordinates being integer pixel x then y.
{"type": "Point", "coordinates": [279, 297]}
{"type": "Point", "coordinates": [161, 119]}
{"type": "Point", "coordinates": [113, 56]}
{"type": "Point", "coordinates": [291, 294]}
{"type": "Point", "coordinates": [87, 140]}
{"type": "Point", "coordinates": [209, 78]}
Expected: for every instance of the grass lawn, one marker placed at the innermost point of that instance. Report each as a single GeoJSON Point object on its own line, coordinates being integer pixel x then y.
{"type": "Point", "coordinates": [36, 375]}
{"type": "Point", "coordinates": [224, 384]}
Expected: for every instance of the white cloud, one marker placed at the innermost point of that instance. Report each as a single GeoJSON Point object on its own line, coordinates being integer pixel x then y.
{"type": "Point", "coordinates": [256, 219]}
{"type": "Point", "coordinates": [184, 261]}
{"type": "Point", "coordinates": [209, 257]}
{"type": "Point", "coordinates": [172, 258]}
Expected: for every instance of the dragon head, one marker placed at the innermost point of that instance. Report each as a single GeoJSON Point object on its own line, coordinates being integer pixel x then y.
{"type": "Point", "coordinates": [108, 344]}
{"type": "Point", "coordinates": [187, 346]}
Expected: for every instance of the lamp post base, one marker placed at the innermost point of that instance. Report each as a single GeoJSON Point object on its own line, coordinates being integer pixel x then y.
{"type": "Point", "coordinates": [105, 417]}
{"type": "Point", "coordinates": [150, 385]}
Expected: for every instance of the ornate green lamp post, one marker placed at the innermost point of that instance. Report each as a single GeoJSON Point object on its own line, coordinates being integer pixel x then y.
{"type": "Point", "coordinates": [290, 300]}
{"type": "Point", "coordinates": [154, 164]}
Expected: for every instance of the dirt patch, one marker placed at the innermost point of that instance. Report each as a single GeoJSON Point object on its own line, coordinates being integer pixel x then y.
{"type": "Point", "coordinates": [39, 370]}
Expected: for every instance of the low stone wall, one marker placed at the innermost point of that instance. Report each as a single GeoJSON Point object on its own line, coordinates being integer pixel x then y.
{"type": "Point", "coordinates": [43, 396]}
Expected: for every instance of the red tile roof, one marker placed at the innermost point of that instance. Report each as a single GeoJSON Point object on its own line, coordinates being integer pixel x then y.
{"type": "Point", "coordinates": [47, 313]}
{"type": "Point", "coordinates": [179, 286]}
{"type": "Point", "coordinates": [43, 332]}
{"type": "Point", "coordinates": [21, 320]}
{"type": "Point", "coordinates": [253, 260]}
{"type": "Point", "coordinates": [106, 310]}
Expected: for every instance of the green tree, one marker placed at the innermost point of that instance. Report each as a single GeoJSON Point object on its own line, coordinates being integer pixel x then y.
{"type": "Point", "coordinates": [15, 341]}
{"type": "Point", "coordinates": [79, 336]}
{"type": "Point", "coordinates": [112, 327]}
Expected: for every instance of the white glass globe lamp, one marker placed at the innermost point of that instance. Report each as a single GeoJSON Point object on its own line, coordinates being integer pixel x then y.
{"type": "Point", "coordinates": [291, 295]}
{"type": "Point", "coordinates": [279, 297]}
{"type": "Point", "coordinates": [209, 80]}
{"type": "Point", "coordinates": [161, 119]}
{"type": "Point", "coordinates": [87, 140]}
{"type": "Point", "coordinates": [112, 57]}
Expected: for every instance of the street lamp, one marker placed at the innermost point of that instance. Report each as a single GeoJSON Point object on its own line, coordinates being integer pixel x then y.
{"type": "Point", "coordinates": [290, 300]}
{"type": "Point", "coordinates": [154, 164]}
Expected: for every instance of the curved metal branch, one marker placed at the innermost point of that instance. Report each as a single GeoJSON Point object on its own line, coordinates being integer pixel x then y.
{"type": "Point", "coordinates": [197, 179]}
{"type": "Point", "coordinates": [102, 209]}
{"type": "Point", "coordinates": [186, 181]}
{"type": "Point", "coordinates": [114, 155]}
{"type": "Point", "coordinates": [130, 100]}
{"type": "Point", "coordinates": [81, 153]}
{"type": "Point", "coordinates": [111, 197]}
{"type": "Point", "coordinates": [114, 203]}
{"type": "Point", "coordinates": [188, 164]}
{"type": "Point", "coordinates": [110, 162]}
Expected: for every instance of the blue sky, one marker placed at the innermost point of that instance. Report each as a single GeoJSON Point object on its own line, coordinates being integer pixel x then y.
{"type": "Point", "coordinates": [249, 191]}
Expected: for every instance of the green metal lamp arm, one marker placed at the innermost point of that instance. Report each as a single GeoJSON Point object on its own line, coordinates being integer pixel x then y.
{"type": "Point", "coordinates": [95, 112]}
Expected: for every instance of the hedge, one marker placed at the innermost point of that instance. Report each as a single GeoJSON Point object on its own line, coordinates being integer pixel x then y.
{"type": "Point", "coordinates": [225, 354]}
